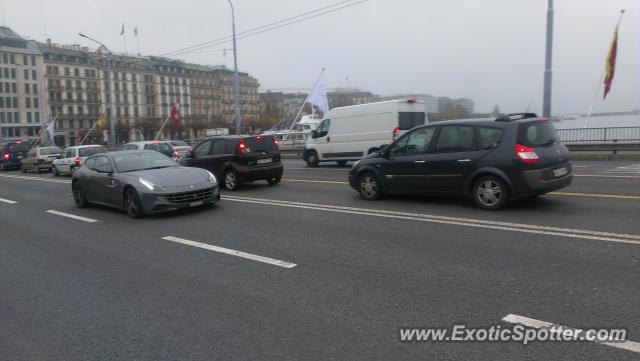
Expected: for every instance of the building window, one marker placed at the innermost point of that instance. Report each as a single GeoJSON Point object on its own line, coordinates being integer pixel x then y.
{"type": "Point", "coordinates": [13, 73]}
{"type": "Point", "coordinates": [15, 103]}
{"type": "Point", "coordinates": [29, 117]}
{"type": "Point", "coordinates": [26, 74]}
{"type": "Point", "coordinates": [16, 117]}
{"type": "Point", "coordinates": [34, 75]}
{"type": "Point", "coordinates": [27, 88]}
{"type": "Point", "coordinates": [33, 60]}
{"type": "Point", "coordinates": [35, 88]}
{"type": "Point", "coordinates": [76, 72]}
{"type": "Point", "coordinates": [14, 87]}
{"type": "Point", "coordinates": [36, 103]}
{"type": "Point", "coordinates": [37, 117]}
{"type": "Point", "coordinates": [27, 103]}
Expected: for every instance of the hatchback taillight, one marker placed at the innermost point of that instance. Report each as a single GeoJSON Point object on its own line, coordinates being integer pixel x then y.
{"type": "Point", "coordinates": [7, 156]}
{"type": "Point", "coordinates": [527, 155]}
{"type": "Point", "coordinates": [77, 161]}
{"type": "Point", "coordinates": [242, 148]}
{"type": "Point", "coordinates": [175, 154]}
{"type": "Point", "coordinates": [275, 141]}
{"type": "Point", "coordinates": [396, 132]}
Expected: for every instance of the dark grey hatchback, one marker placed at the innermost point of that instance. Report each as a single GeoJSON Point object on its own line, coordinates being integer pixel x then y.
{"type": "Point", "coordinates": [491, 160]}
{"type": "Point", "coordinates": [142, 182]}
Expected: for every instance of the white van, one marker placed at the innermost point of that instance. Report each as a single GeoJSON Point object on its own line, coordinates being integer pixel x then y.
{"type": "Point", "coordinates": [350, 133]}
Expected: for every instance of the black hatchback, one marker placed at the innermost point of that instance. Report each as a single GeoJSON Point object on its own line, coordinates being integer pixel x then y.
{"type": "Point", "coordinates": [490, 160]}
{"type": "Point", "coordinates": [238, 159]}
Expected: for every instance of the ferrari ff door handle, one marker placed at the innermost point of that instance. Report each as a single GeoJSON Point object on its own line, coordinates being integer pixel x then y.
{"type": "Point", "coordinates": [420, 161]}
{"type": "Point", "coordinates": [464, 160]}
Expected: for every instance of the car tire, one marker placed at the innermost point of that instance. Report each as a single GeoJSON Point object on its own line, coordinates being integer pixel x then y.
{"type": "Point", "coordinates": [54, 169]}
{"type": "Point", "coordinates": [23, 169]}
{"type": "Point", "coordinates": [231, 181]}
{"type": "Point", "coordinates": [490, 192]}
{"type": "Point", "coordinates": [274, 180]}
{"type": "Point", "coordinates": [132, 203]}
{"type": "Point", "coordinates": [342, 163]}
{"type": "Point", "coordinates": [312, 159]}
{"type": "Point", "coordinates": [369, 186]}
{"type": "Point", "coordinates": [79, 196]}
{"type": "Point", "coordinates": [37, 170]}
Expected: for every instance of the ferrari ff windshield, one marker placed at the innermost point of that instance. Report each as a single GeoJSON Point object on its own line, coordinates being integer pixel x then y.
{"type": "Point", "coordinates": [130, 162]}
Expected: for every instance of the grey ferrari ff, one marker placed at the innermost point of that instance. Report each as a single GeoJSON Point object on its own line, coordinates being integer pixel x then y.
{"type": "Point", "coordinates": [142, 182]}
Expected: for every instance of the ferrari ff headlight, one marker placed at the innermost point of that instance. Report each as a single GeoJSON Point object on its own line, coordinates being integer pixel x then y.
{"type": "Point", "coordinates": [212, 179]}
{"type": "Point", "coordinates": [150, 186]}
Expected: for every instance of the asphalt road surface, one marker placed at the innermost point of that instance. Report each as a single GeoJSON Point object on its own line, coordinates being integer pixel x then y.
{"type": "Point", "coordinates": [306, 270]}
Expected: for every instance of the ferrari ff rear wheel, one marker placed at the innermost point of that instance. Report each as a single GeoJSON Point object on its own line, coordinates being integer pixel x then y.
{"type": "Point", "coordinates": [78, 195]}
{"type": "Point", "coordinates": [132, 203]}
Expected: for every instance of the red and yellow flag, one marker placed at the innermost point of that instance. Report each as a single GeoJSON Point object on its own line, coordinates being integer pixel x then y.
{"type": "Point", "coordinates": [101, 120]}
{"type": "Point", "coordinates": [611, 63]}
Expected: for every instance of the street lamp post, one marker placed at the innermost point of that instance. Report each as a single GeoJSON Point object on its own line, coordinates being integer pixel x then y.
{"type": "Point", "coordinates": [112, 115]}
{"type": "Point", "coordinates": [235, 71]}
{"type": "Point", "coordinates": [546, 100]}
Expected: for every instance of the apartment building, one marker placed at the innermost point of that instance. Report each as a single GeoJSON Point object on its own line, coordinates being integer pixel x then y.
{"type": "Point", "coordinates": [22, 104]}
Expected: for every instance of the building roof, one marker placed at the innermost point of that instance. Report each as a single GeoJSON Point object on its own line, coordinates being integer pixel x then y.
{"type": "Point", "coordinates": [11, 41]}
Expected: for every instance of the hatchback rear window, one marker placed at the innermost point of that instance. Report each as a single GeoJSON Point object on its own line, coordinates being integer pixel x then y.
{"type": "Point", "coordinates": [163, 148]}
{"type": "Point", "coordinates": [408, 120]}
{"type": "Point", "coordinates": [537, 134]}
{"type": "Point", "coordinates": [261, 144]}
{"type": "Point", "coordinates": [18, 147]}
{"type": "Point", "coordinates": [48, 151]}
{"type": "Point", "coordinates": [85, 152]}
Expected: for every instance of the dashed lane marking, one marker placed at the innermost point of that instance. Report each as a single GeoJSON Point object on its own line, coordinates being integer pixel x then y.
{"type": "Point", "coordinates": [72, 216]}
{"type": "Point", "coordinates": [231, 252]}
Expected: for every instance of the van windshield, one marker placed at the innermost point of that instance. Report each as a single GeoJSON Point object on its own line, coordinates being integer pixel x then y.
{"type": "Point", "coordinates": [408, 120]}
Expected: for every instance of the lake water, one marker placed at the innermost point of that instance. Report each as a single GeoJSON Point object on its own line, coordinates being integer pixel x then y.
{"type": "Point", "coordinates": [607, 121]}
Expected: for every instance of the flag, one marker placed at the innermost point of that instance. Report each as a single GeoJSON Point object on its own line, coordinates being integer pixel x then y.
{"type": "Point", "coordinates": [101, 121]}
{"type": "Point", "coordinates": [611, 63]}
{"type": "Point", "coordinates": [175, 112]}
{"type": "Point", "coordinates": [135, 31]}
{"type": "Point", "coordinates": [318, 96]}
{"type": "Point", "coordinates": [122, 31]}
{"type": "Point", "coordinates": [51, 127]}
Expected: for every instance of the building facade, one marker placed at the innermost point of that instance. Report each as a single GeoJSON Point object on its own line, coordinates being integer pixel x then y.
{"type": "Point", "coordinates": [140, 91]}
{"type": "Point", "coordinates": [23, 107]}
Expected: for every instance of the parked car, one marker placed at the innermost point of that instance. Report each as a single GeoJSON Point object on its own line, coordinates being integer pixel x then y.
{"type": "Point", "coordinates": [490, 160]}
{"type": "Point", "coordinates": [352, 132]}
{"type": "Point", "coordinates": [239, 159]}
{"type": "Point", "coordinates": [161, 146]}
{"type": "Point", "coordinates": [39, 159]}
{"type": "Point", "coordinates": [72, 158]}
{"type": "Point", "coordinates": [183, 151]}
{"type": "Point", "coordinates": [142, 182]}
{"type": "Point", "coordinates": [11, 154]}
{"type": "Point", "coordinates": [178, 143]}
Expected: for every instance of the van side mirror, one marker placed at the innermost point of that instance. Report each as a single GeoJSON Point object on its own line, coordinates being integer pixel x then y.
{"type": "Point", "coordinates": [314, 134]}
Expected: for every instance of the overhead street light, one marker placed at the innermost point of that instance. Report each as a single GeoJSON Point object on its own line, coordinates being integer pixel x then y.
{"type": "Point", "coordinates": [112, 116]}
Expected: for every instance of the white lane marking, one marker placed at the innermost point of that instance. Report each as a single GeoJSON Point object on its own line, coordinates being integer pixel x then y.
{"type": "Point", "coordinates": [530, 322]}
{"type": "Point", "coordinates": [469, 222]}
{"type": "Point", "coordinates": [7, 201]}
{"type": "Point", "coordinates": [232, 252]}
{"type": "Point", "coordinates": [68, 215]}
{"type": "Point", "coordinates": [35, 178]}
{"type": "Point", "coordinates": [579, 166]}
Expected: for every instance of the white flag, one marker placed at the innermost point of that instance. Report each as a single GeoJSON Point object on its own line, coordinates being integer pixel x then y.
{"type": "Point", "coordinates": [318, 96]}
{"type": "Point", "coordinates": [51, 127]}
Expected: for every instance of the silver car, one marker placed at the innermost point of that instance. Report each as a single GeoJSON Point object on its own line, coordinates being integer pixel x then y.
{"type": "Point", "coordinates": [142, 182]}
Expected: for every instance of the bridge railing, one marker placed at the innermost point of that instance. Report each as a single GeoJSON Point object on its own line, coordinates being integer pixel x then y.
{"type": "Point", "coordinates": [600, 135]}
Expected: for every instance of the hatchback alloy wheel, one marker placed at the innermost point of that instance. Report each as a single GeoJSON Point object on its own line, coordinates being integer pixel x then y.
{"type": "Point", "coordinates": [368, 187]}
{"type": "Point", "coordinates": [230, 180]}
{"type": "Point", "coordinates": [490, 193]}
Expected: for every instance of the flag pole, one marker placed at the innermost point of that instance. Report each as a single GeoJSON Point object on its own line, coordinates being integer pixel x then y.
{"type": "Point", "coordinates": [286, 135]}
{"type": "Point", "coordinates": [599, 86]}
{"type": "Point", "coordinates": [162, 127]}
{"type": "Point", "coordinates": [89, 132]}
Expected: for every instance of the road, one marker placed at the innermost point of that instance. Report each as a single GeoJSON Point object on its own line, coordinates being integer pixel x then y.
{"type": "Point", "coordinates": [324, 275]}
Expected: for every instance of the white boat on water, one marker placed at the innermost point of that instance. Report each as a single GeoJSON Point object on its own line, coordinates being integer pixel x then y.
{"type": "Point", "coordinates": [299, 133]}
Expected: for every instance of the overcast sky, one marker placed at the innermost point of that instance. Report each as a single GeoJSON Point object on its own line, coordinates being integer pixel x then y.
{"type": "Point", "coordinates": [491, 51]}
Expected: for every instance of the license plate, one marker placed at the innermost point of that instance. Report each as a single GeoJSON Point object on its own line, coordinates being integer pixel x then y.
{"type": "Point", "coordinates": [195, 204]}
{"type": "Point", "coordinates": [560, 172]}
{"type": "Point", "coordinates": [266, 160]}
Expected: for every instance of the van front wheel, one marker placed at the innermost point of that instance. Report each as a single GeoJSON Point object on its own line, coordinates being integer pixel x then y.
{"type": "Point", "coordinates": [312, 159]}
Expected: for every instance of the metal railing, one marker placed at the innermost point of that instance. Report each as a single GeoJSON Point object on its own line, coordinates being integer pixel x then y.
{"type": "Point", "coordinates": [600, 135]}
